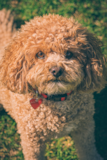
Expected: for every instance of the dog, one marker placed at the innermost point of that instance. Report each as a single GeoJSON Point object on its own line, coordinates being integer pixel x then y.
{"type": "Point", "coordinates": [49, 70]}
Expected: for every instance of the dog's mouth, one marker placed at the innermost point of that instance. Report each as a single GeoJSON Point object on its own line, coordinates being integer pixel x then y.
{"type": "Point", "coordinates": [59, 81]}
{"type": "Point", "coordinates": [55, 80]}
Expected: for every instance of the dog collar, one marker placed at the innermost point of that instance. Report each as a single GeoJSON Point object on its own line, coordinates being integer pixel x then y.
{"type": "Point", "coordinates": [59, 97]}
{"type": "Point", "coordinates": [35, 102]}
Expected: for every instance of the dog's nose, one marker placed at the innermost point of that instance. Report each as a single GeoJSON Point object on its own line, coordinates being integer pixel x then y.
{"type": "Point", "coordinates": [56, 71]}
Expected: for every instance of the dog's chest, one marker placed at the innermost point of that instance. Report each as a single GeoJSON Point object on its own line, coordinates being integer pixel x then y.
{"type": "Point", "coordinates": [53, 119]}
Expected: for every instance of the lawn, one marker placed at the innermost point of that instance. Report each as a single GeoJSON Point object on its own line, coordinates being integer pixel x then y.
{"type": "Point", "coordinates": [93, 15]}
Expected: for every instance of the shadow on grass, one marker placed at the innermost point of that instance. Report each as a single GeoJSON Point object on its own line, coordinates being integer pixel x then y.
{"type": "Point", "coordinates": [100, 118]}
{"type": "Point", "coordinates": [18, 23]}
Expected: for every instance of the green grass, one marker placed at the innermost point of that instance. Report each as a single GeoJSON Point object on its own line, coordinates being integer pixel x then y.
{"type": "Point", "coordinates": [10, 148]}
{"type": "Point", "coordinates": [61, 149]}
{"type": "Point", "coordinates": [93, 15]}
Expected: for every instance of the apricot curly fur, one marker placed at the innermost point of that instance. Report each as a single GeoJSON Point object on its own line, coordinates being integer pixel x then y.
{"type": "Point", "coordinates": [54, 55]}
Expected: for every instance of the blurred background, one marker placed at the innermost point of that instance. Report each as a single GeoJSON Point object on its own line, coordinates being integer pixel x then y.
{"type": "Point", "coordinates": [93, 15]}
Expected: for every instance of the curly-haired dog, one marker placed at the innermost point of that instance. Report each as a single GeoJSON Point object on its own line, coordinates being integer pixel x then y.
{"type": "Point", "coordinates": [48, 73]}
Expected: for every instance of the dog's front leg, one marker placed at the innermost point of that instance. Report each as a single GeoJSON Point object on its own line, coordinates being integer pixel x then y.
{"type": "Point", "coordinates": [85, 141]}
{"type": "Point", "coordinates": [32, 149]}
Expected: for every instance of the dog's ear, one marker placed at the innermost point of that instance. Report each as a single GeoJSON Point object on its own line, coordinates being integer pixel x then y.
{"type": "Point", "coordinates": [94, 67]}
{"type": "Point", "coordinates": [15, 66]}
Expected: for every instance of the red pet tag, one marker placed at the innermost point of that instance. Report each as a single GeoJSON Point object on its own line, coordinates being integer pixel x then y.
{"type": "Point", "coordinates": [35, 103]}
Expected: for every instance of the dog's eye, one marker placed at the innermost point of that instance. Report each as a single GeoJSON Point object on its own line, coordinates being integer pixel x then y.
{"type": "Point", "coordinates": [68, 54]}
{"type": "Point", "coordinates": [40, 55]}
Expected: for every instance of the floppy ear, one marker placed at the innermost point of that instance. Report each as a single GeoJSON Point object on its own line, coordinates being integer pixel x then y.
{"type": "Point", "coordinates": [15, 67]}
{"type": "Point", "coordinates": [94, 65]}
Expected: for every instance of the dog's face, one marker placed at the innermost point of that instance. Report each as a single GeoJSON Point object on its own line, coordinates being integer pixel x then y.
{"type": "Point", "coordinates": [56, 69]}
{"type": "Point", "coordinates": [55, 73]}
{"type": "Point", "coordinates": [54, 55]}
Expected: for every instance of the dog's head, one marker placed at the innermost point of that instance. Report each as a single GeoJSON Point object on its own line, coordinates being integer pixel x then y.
{"type": "Point", "coordinates": [54, 55]}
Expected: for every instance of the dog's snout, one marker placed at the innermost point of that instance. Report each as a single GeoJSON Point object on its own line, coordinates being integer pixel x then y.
{"type": "Point", "coordinates": [56, 71]}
